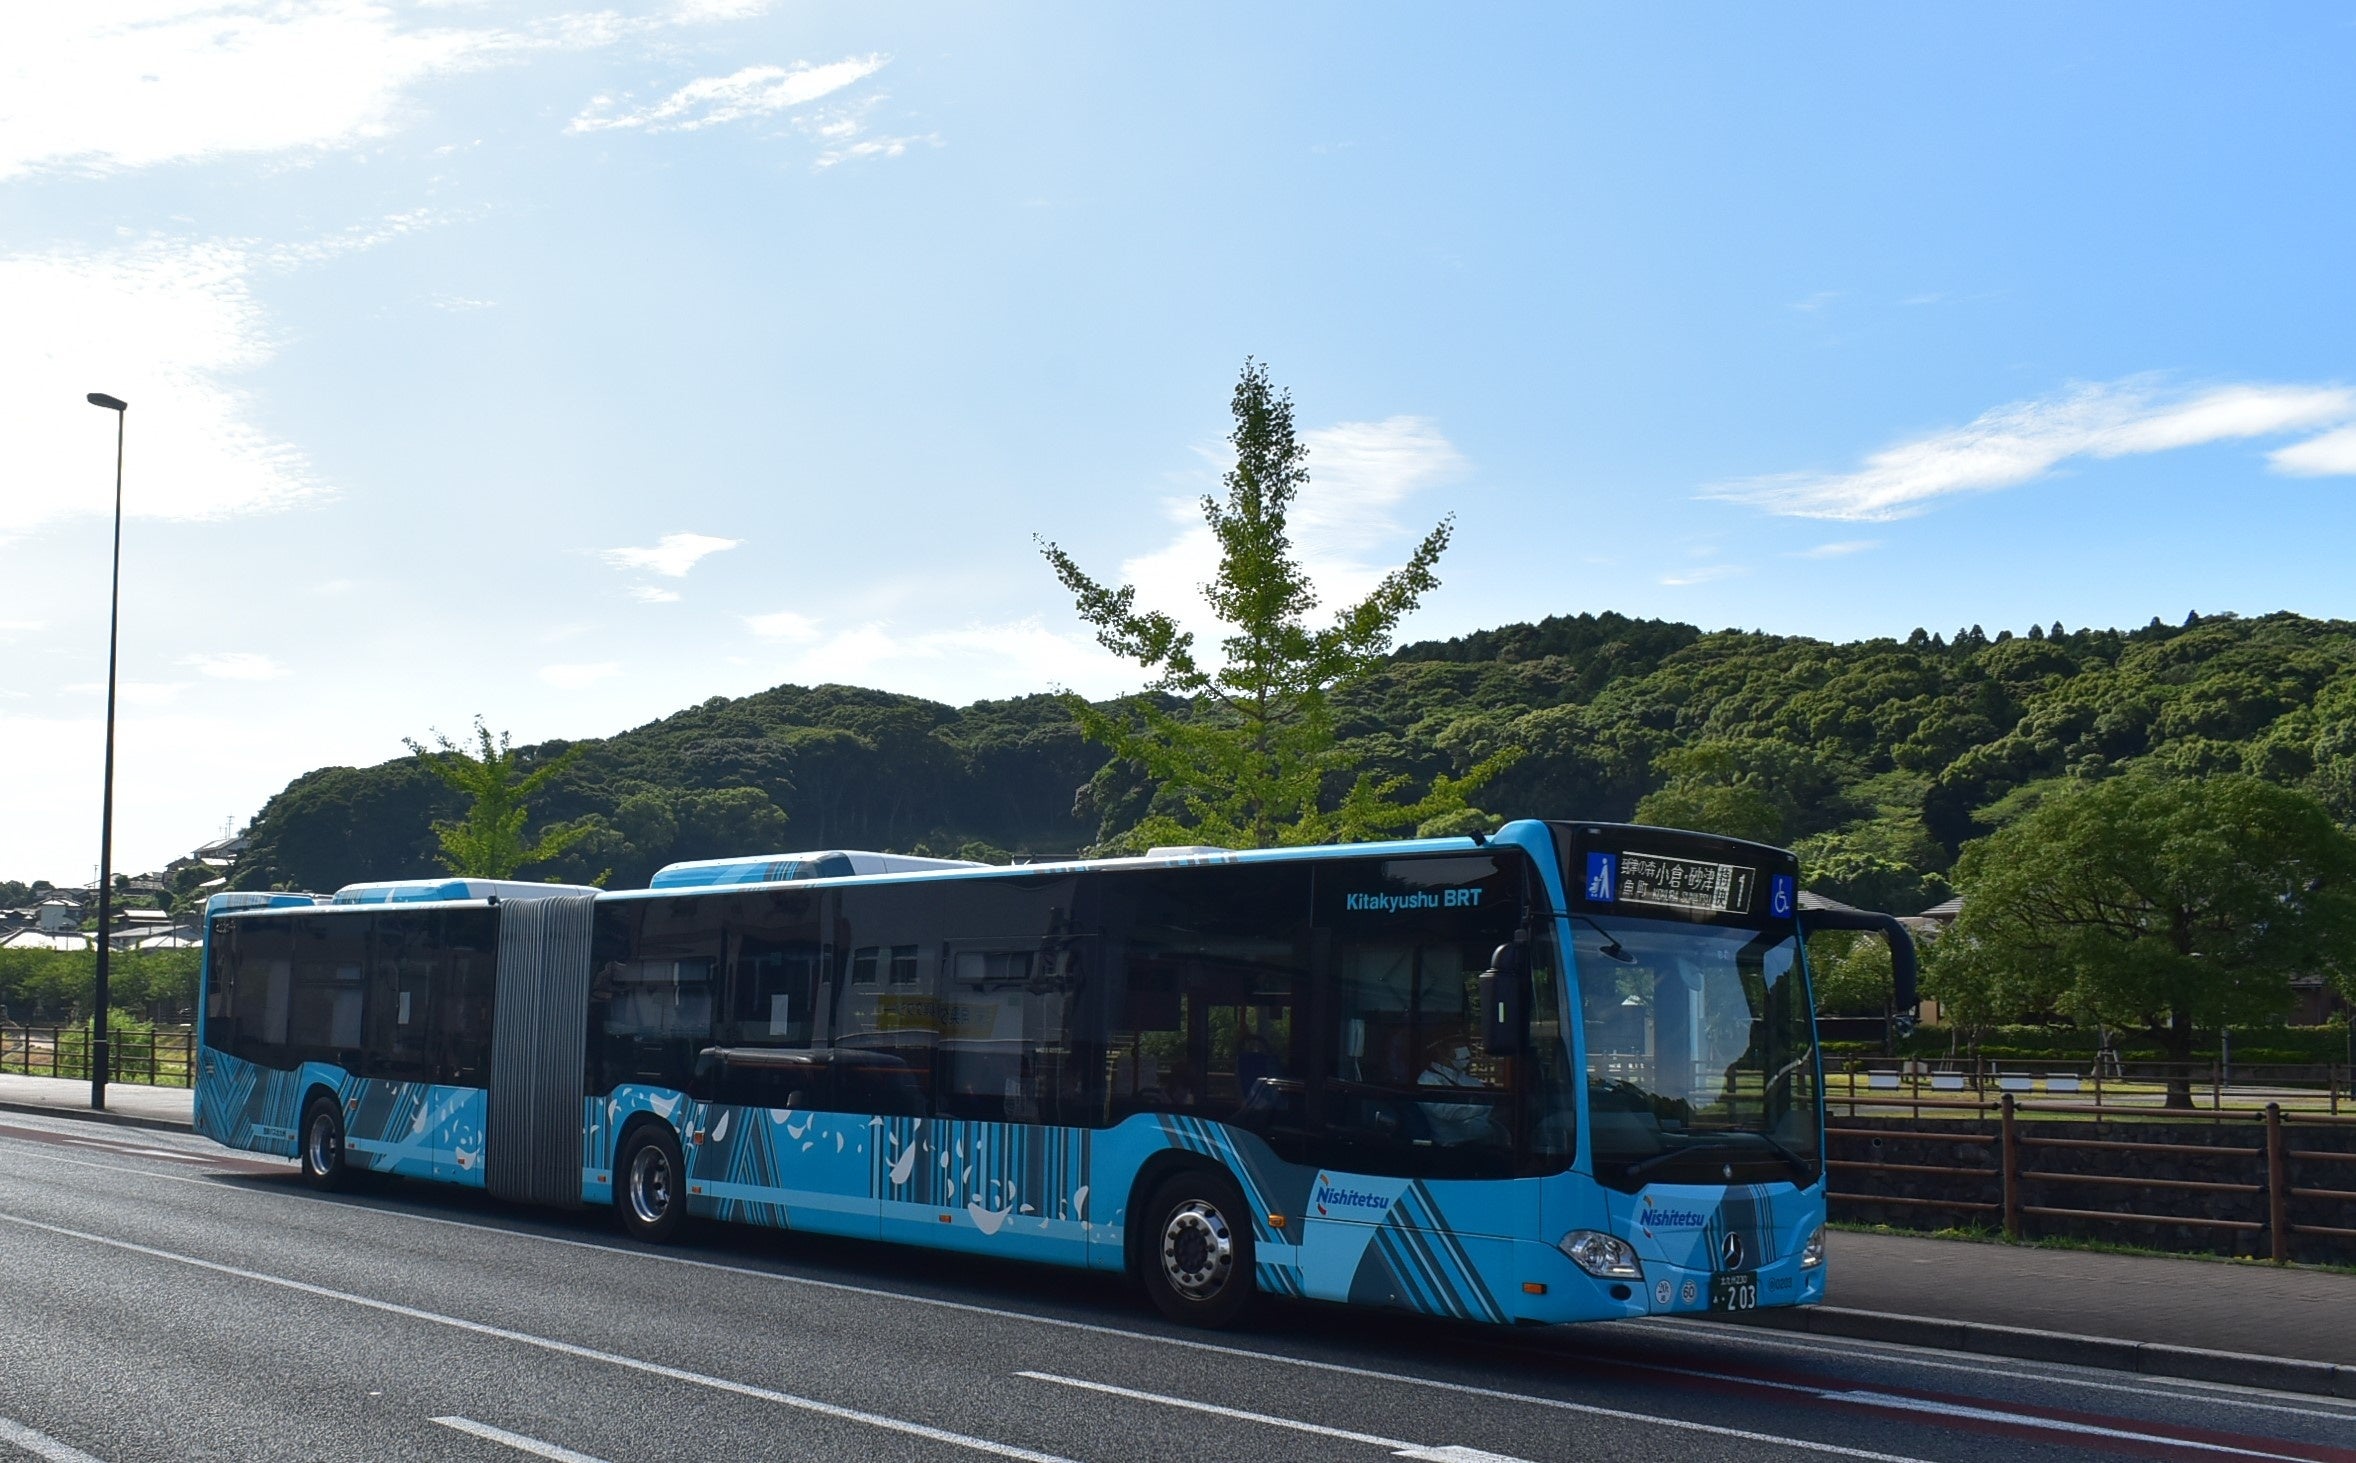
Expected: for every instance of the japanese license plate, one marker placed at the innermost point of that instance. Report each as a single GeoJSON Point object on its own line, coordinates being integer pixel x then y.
{"type": "Point", "coordinates": [1735, 1291]}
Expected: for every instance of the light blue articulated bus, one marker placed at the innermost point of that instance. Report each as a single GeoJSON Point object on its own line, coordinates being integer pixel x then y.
{"type": "Point", "coordinates": [1567, 1072]}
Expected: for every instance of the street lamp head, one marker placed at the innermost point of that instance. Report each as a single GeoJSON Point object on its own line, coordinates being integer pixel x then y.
{"type": "Point", "coordinates": [111, 403]}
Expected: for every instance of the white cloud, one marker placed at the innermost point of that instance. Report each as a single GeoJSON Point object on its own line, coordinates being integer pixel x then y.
{"type": "Point", "coordinates": [1704, 574]}
{"type": "Point", "coordinates": [1839, 550]}
{"type": "Point", "coordinates": [672, 555]}
{"type": "Point", "coordinates": [167, 326]}
{"type": "Point", "coordinates": [581, 676]}
{"type": "Point", "coordinates": [2331, 455]}
{"type": "Point", "coordinates": [653, 594]}
{"type": "Point", "coordinates": [1006, 659]}
{"type": "Point", "coordinates": [2024, 441]}
{"type": "Point", "coordinates": [131, 693]}
{"type": "Point", "coordinates": [237, 665]}
{"type": "Point", "coordinates": [784, 625]}
{"type": "Point", "coordinates": [755, 91]}
{"type": "Point", "coordinates": [1343, 527]}
{"type": "Point", "coordinates": [705, 12]}
{"type": "Point", "coordinates": [131, 85]}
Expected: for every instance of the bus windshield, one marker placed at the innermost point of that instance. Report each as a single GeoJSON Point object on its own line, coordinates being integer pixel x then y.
{"type": "Point", "coordinates": [1701, 1056]}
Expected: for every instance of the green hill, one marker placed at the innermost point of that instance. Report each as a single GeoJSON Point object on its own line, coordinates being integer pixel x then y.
{"type": "Point", "coordinates": [1877, 757]}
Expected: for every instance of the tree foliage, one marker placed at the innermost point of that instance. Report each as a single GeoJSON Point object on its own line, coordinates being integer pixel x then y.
{"type": "Point", "coordinates": [2175, 906]}
{"type": "Point", "coordinates": [1245, 751]}
{"type": "Point", "coordinates": [488, 842]}
{"type": "Point", "coordinates": [1878, 759]}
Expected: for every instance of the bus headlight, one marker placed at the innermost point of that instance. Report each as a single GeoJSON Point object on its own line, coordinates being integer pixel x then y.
{"type": "Point", "coordinates": [1603, 1256]}
{"type": "Point", "coordinates": [1812, 1253]}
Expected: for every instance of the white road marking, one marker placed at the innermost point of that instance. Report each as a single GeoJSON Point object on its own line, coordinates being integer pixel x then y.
{"type": "Point", "coordinates": [2049, 1424]}
{"type": "Point", "coordinates": [40, 1445]}
{"type": "Point", "coordinates": [141, 1150]}
{"type": "Point", "coordinates": [560, 1348]}
{"type": "Point", "coordinates": [516, 1441]}
{"type": "Point", "coordinates": [1398, 1448]}
{"type": "Point", "coordinates": [2216, 1393]}
{"type": "Point", "coordinates": [1868, 1397]}
{"type": "Point", "coordinates": [2181, 1389]}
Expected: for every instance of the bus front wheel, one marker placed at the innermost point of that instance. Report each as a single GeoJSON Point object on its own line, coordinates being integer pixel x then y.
{"type": "Point", "coordinates": [651, 1195]}
{"type": "Point", "coordinates": [1197, 1258]}
{"type": "Point", "coordinates": [323, 1144]}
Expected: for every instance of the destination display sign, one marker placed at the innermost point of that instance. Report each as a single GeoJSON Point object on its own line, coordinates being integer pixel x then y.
{"type": "Point", "coordinates": [1628, 877]}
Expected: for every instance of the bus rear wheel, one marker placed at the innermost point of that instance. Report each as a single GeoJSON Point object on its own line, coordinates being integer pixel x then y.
{"type": "Point", "coordinates": [323, 1145]}
{"type": "Point", "coordinates": [650, 1189]}
{"type": "Point", "coordinates": [1197, 1256]}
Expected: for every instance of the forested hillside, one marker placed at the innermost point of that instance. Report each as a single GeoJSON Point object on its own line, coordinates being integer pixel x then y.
{"type": "Point", "coordinates": [1879, 758]}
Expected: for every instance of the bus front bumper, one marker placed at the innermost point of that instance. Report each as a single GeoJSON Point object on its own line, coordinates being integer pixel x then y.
{"type": "Point", "coordinates": [1555, 1290]}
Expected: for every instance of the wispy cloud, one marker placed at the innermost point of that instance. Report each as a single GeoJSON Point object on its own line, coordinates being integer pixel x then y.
{"type": "Point", "coordinates": [169, 326]}
{"type": "Point", "coordinates": [975, 660]}
{"type": "Point", "coordinates": [754, 91]}
{"type": "Point", "coordinates": [236, 665]}
{"type": "Point", "coordinates": [672, 555]}
{"type": "Point", "coordinates": [108, 87]}
{"type": "Point", "coordinates": [1810, 304]}
{"type": "Point", "coordinates": [131, 693]}
{"type": "Point", "coordinates": [784, 625]}
{"type": "Point", "coordinates": [653, 594]}
{"type": "Point", "coordinates": [2331, 455]}
{"type": "Point", "coordinates": [2023, 441]}
{"type": "Point", "coordinates": [580, 676]}
{"type": "Point", "coordinates": [1704, 574]}
{"type": "Point", "coordinates": [1839, 550]}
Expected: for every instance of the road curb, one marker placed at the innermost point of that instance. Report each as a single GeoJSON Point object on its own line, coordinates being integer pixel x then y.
{"type": "Point", "coordinates": [120, 1120]}
{"type": "Point", "coordinates": [2112, 1353]}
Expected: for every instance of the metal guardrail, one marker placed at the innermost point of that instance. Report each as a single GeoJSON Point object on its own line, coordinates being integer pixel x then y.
{"type": "Point", "coordinates": [1886, 1084]}
{"type": "Point", "coordinates": [157, 1058]}
{"type": "Point", "coordinates": [2006, 1191]}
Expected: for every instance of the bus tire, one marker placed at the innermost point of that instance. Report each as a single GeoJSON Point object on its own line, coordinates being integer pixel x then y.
{"type": "Point", "coordinates": [323, 1145]}
{"type": "Point", "coordinates": [650, 1184]}
{"type": "Point", "coordinates": [1196, 1259]}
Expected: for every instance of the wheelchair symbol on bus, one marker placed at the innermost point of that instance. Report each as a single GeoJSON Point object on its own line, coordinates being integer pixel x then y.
{"type": "Point", "coordinates": [1785, 891]}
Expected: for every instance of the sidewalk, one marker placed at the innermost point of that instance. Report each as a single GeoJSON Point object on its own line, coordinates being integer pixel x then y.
{"type": "Point", "coordinates": [2250, 1325]}
{"type": "Point", "coordinates": [2207, 1320]}
{"type": "Point", "coordinates": [126, 1104]}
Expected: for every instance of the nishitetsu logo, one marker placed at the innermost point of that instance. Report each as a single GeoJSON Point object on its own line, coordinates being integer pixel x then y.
{"type": "Point", "coordinates": [1329, 1198]}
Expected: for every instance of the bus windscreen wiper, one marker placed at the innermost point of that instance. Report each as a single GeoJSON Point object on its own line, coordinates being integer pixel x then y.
{"type": "Point", "coordinates": [1612, 948]}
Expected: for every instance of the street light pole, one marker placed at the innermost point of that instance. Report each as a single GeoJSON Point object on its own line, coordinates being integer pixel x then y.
{"type": "Point", "coordinates": [106, 821]}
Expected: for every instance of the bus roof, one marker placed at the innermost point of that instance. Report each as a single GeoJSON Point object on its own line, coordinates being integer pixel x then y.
{"type": "Point", "coordinates": [422, 891]}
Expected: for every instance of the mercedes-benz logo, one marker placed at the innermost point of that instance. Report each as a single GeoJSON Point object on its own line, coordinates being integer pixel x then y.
{"type": "Point", "coordinates": [1731, 1251]}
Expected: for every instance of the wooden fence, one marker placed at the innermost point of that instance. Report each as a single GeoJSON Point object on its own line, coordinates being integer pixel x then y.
{"type": "Point", "coordinates": [2269, 1185]}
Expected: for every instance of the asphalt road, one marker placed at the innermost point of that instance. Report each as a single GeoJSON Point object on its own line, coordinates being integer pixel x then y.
{"type": "Point", "coordinates": [161, 1298]}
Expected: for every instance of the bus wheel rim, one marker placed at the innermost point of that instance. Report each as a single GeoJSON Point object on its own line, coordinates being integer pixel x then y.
{"type": "Point", "coordinates": [324, 1149]}
{"type": "Point", "coordinates": [650, 1185]}
{"type": "Point", "coordinates": [1198, 1250]}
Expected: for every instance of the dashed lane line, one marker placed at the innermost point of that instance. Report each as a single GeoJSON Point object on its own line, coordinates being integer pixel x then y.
{"type": "Point", "coordinates": [2217, 1395]}
{"type": "Point", "coordinates": [1398, 1448]}
{"type": "Point", "coordinates": [40, 1445]}
{"type": "Point", "coordinates": [522, 1444]}
{"type": "Point", "coordinates": [549, 1344]}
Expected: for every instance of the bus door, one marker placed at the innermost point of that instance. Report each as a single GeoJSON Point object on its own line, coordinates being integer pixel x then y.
{"type": "Point", "coordinates": [1421, 1131]}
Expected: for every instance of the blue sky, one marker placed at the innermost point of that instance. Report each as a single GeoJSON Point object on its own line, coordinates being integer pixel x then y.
{"type": "Point", "coordinates": [571, 366]}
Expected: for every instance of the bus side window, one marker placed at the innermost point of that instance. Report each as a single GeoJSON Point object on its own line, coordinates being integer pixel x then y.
{"type": "Point", "coordinates": [400, 997]}
{"type": "Point", "coordinates": [329, 987]}
{"type": "Point", "coordinates": [1213, 971]}
{"type": "Point", "coordinates": [465, 989]}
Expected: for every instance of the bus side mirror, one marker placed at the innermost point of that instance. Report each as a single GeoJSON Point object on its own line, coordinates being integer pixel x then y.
{"type": "Point", "coordinates": [1505, 1001]}
{"type": "Point", "coordinates": [1903, 1000]}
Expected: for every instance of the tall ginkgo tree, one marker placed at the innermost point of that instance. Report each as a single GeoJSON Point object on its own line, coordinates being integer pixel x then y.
{"type": "Point", "coordinates": [1245, 744]}
{"type": "Point", "coordinates": [489, 843]}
